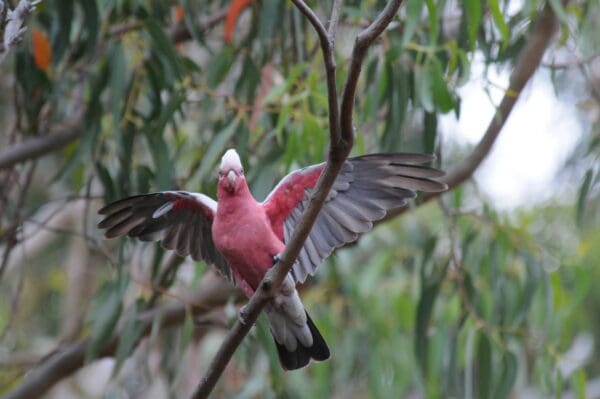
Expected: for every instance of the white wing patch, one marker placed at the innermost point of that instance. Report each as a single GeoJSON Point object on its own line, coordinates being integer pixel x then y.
{"type": "Point", "coordinates": [206, 200]}
{"type": "Point", "coordinates": [163, 210]}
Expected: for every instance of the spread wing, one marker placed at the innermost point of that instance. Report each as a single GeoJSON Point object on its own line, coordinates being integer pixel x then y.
{"type": "Point", "coordinates": [366, 188]}
{"type": "Point", "coordinates": [181, 220]}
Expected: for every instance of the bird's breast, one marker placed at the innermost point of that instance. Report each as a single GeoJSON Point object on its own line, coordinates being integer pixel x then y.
{"type": "Point", "coordinates": [247, 242]}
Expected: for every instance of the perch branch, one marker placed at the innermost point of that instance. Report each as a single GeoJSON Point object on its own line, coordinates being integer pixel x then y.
{"type": "Point", "coordinates": [339, 150]}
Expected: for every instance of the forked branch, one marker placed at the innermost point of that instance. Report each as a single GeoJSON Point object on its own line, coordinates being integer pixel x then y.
{"type": "Point", "coordinates": [341, 140]}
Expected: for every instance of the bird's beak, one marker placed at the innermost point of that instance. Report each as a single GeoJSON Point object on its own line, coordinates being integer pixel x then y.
{"type": "Point", "coordinates": [231, 178]}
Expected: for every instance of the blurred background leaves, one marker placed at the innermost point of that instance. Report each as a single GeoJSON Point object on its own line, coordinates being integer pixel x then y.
{"type": "Point", "coordinates": [458, 298]}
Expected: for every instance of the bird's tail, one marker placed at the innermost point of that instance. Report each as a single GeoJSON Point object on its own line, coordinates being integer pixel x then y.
{"type": "Point", "coordinates": [297, 341]}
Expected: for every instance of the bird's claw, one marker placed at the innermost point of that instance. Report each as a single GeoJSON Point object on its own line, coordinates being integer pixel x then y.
{"type": "Point", "coordinates": [276, 258]}
{"type": "Point", "coordinates": [243, 316]}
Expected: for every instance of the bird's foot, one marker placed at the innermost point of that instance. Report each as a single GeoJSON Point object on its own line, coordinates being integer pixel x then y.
{"type": "Point", "coordinates": [243, 316]}
{"type": "Point", "coordinates": [276, 258]}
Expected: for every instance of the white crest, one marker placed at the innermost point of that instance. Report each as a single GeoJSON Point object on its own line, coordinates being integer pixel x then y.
{"type": "Point", "coordinates": [231, 160]}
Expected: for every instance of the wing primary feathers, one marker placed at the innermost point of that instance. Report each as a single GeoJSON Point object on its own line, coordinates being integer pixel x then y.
{"type": "Point", "coordinates": [118, 205]}
{"type": "Point", "coordinates": [124, 226]}
{"type": "Point", "coordinates": [170, 238]}
{"type": "Point", "coordinates": [313, 254]}
{"type": "Point", "coordinates": [182, 221]}
{"type": "Point", "coordinates": [182, 244]}
{"type": "Point", "coordinates": [397, 157]}
{"type": "Point", "coordinates": [361, 208]}
{"type": "Point", "coordinates": [115, 218]}
{"type": "Point", "coordinates": [344, 218]}
{"type": "Point", "coordinates": [414, 183]}
{"type": "Point", "coordinates": [366, 189]}
{"type": "Point", "coordinates": [342, 234]}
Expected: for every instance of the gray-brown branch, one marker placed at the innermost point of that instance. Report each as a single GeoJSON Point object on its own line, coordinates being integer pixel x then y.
{"type": "Point", "coordinates": [529, 60]}
{"type": "Point", "coordinates": [36, 147]}
{"type": "Point", "coordinates": [326, 40]}
{"type": "Point", "coordinates": [212, 292]}
{"type": "Point", "coordinates": [40, 146]}
{"type": "Point", "coordinates": [340, 146]}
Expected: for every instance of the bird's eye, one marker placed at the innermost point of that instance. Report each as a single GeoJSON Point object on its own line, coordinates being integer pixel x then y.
{"type": "Point", "coordinates": [242, 172]}
{"type": "Point", "coordinates": [221, 174]}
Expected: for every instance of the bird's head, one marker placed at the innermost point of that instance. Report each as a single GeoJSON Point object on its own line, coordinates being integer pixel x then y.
{"type": "Point", "coordinates": [231, 171]}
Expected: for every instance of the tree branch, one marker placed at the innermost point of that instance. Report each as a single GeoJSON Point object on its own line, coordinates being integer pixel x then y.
{"type": "Point", "coordinates": [212, 291]}
{"type": "Point", "coordinates": [529, 60]}
{"type": "Point", "coordinates": [181, 33]}
{"type": "Point", "coordinates": [527, 63]}
{"type": "Point", "coordinates": [326, 39]}
{"type": "Point", "coordinates": [11, 24]}
{"type": "Point", "coordinates": [340, 146]}
{"type": "Point", "coordinates": [334, 20]}
{"type": "Point", "coordinates": [38, 146]}
{"type": "Point", "coordinates": [363, 41]}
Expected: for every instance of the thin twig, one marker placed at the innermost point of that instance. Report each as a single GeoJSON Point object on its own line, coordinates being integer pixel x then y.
{"type": "Point", "coordinates": [340, 146]}
{"type": "Point", "coordinates": [577, 62]}
{"type": "Point", "coordinates": [334, 21]}
{"type": "Point", "coordinates": [42, 225]}
{"type": "Point", "coordinates": [527, 63]}
{"type": "Point", "coordinates": [121, 29]}
{"type": "Point", "coordinates": [327, 48]}
{"type": "Point", "coordinates": [212, 291]}
{"type": "Point", "coordinates": [363, 41]}
{"type": "Point", "coordinates": [14, 304]}
{"type": "Point", "coordinates": [458, 272]}
{"type": "Point", "coordinates": [181, 32]}
{"type": "Point", "coordinates": [39, 146]}
{"type": "Point", "coordinates": [163, 281]}
{"type": "Point", "coordinates": [11, 233]}
{"type": "Point", "coordinates": [12, 25]}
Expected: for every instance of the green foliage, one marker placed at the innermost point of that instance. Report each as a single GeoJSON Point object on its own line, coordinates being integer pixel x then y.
{"type": "Point", "coordinates": [452, 300]}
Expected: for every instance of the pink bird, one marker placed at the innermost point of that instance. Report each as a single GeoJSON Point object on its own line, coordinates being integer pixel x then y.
{"type": "Point", "coordinates": [241, 237]}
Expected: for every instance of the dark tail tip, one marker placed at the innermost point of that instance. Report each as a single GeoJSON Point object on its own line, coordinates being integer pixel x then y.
{"type": "Point", "coordinates": [299, 358]}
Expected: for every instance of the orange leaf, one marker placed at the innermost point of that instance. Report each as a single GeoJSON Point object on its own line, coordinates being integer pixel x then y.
{"type": "Point", "coordinates": [42, 52]}
{"type": "Point", "coordinates": [235, 9]}
{"type": "Point", "coordinates": [178, 14]}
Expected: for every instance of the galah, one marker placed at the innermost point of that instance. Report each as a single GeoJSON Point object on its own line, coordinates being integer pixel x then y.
{"type": "Point", "coordinates": [241, 237]}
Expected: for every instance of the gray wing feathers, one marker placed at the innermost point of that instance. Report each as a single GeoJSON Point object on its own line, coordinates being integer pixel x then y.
{"type": "Point", "coordinates": [365, 190]}
{"type": "Point", "coordinates": [151, 217]}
